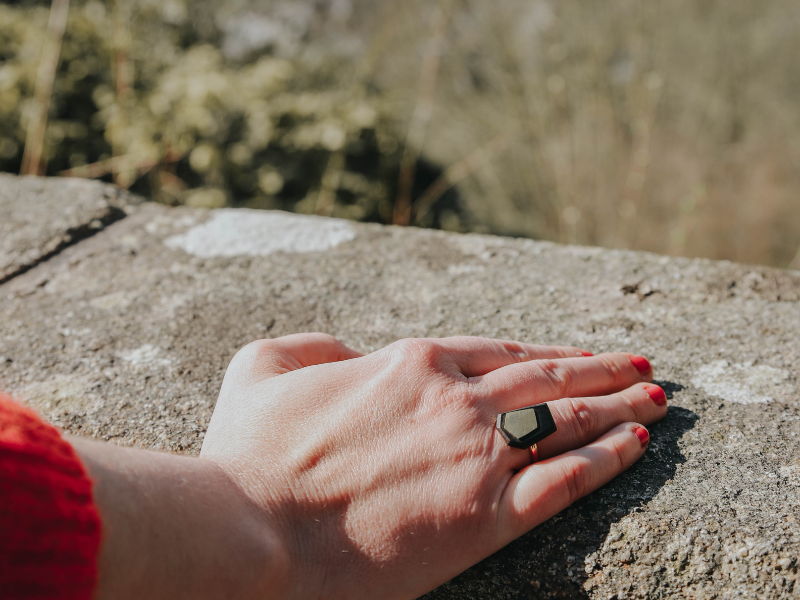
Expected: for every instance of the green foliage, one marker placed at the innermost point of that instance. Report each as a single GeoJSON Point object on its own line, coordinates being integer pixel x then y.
{"type": "Point", "coordinates": [139, 82]}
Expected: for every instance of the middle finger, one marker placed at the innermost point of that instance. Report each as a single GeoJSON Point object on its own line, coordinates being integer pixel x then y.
{"type": "Point", "coordinates": [580, 421]}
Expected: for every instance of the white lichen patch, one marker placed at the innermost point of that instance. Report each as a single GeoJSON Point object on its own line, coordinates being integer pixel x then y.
{"type": "Point", "coordinates": [147, 354]}
{"type": "Point", "coordinates": [246, 232]}
{"type": "Point", "coordinates": [168, 306]}
{"type": "Point", "coordinates": [465, 269]}
{"type": "Point", "coordinates": [115, 300]}
{"type": "Point", "coordinates": [743, 383]}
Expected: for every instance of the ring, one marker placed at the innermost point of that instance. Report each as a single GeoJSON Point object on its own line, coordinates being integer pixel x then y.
{"type": "Point", "coordinates": [525, 427]}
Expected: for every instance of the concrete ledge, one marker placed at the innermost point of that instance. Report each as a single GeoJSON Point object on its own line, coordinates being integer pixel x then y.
{"type": "Point", "coordinates": [40, 217]}
{"type": "Point", "coordinates": [125, 336]}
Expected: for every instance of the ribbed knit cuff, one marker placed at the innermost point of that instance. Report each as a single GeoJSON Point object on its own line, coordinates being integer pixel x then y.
{"type": "Point", "coordinates": [50, 526]}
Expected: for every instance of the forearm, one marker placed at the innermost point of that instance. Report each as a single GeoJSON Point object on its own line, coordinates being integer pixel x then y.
{"type": "Point", "coordinates": [178, 527]}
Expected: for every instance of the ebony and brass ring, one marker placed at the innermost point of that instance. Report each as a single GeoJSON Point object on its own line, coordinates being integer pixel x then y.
{"type": "Point", "coordinates": [525, 427]}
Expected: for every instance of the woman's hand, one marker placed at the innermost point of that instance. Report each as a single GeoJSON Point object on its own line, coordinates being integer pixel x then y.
{"type": "Point", "coordinates": [383, 476]}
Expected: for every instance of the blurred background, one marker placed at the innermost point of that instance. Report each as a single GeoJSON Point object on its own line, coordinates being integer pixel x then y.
{"type": "Point", "coordinates": [665, 126]}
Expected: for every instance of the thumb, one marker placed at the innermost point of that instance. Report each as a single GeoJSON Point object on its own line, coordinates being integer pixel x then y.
{"type": "Point", "coordinates": [269, 358]}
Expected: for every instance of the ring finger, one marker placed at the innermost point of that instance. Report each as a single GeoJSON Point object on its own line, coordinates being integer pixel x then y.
{"type": "Point", "coordinates": [580, 421]}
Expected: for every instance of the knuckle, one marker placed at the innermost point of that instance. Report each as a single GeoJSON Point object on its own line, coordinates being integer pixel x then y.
{"type": "Point", "coordinates": [515, 351]}
{"type": "Point", "coordinates": [557, 375]}
{"type": "Point", "coordinates": [620, 454]}
{"type": "Point", "coordinates": [612, 367]}
{"type": "Point", "coordinates": [417, 350]}
{"type": "Point", "coordinates": [570, 351]}
{"type": "Point", "coordinates": [402, 347]}
{"type": "Point", "coordinates": [630, 403]}
{"type": "Point", "coordinates": [577, 480]}
{"type": "Point", "coordinates": [581, 418]}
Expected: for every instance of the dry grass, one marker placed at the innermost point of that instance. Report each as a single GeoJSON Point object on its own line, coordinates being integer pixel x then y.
{"type": "Point", "coordinates": [48, 63]}
{"type": "Point", "coordinates": [664, 126]}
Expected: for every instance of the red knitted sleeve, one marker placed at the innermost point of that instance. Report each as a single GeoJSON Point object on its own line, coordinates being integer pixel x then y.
{"type": "Point", "coordinates": [49, 525]}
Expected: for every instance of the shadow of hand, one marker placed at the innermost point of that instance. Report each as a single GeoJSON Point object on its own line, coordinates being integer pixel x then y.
{"type": "Point", "coordinates": [556, 559]}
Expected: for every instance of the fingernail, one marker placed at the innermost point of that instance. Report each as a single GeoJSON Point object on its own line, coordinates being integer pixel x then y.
{"type": "Point", "coordinates": [641, 363]}
{"type": "Point", "coordinates": [642, 434]}
{"type": "Point", "coordinates": [656, 394]}
{"type": "Point", "coordinates": [534, 453]}
{"type": "Point", "coordinates": [584, 353]}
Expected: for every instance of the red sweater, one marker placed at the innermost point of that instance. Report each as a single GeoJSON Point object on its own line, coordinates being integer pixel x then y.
{"type": "Point", "coordinates": [49, 525]}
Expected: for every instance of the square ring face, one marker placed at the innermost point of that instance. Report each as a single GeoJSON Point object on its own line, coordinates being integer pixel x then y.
{"type": "Point", "coordinates": [525, 427]}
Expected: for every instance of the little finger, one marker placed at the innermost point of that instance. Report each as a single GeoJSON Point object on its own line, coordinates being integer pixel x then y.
{"type": "Point", "coordinates": [544, 489]}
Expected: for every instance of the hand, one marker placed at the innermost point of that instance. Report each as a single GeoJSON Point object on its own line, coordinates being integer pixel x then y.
{"type": "Point", "coordinates": [383, 475]}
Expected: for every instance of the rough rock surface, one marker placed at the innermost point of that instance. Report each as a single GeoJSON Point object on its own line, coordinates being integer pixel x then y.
{"type": "Point", "coordinates": [40, 217]}
{"type": "Point", "coordinates": [125, 336]}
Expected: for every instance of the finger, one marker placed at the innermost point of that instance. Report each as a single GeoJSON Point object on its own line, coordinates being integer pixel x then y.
{"type": "Point", "coordinates": [533, 382]}
{"type": "Point", "coordinates": [580, 421]}
{"type": "Point", "coordinates": [545, 488]}
{"type": "Point", "coordinates": [475, 356]}
{"type": "Point", "coordinates": [268, 358]}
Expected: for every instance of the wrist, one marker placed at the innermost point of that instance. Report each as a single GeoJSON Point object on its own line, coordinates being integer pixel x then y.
{"type": "Point", "coordinates": [176, 527]}
{"type": "Point", "coordinates": [257, 550]}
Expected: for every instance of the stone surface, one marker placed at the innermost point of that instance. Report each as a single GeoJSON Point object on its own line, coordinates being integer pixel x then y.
{"type": "Point", "coordinates": [125, 336]}
{"type": "Point", "coordinates": [40, 217]}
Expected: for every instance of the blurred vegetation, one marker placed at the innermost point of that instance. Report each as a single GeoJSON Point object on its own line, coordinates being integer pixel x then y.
{"type": "Point", "coordinates": [671, 127]}
{"type": "Point", "coordinates": [145, 97]}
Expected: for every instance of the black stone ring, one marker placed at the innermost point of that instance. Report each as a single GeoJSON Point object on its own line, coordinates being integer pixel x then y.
{"type": "Point", "coordinates": [525, 427]}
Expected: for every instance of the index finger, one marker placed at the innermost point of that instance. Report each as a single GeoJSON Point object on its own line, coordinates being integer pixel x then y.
{"type": "Point", "coordinates": [520, 385]}
{"type": "Point", "coordinates": [476, 356]}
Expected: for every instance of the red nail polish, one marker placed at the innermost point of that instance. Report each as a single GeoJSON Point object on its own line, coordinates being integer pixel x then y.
{"type": "Point", "coordinates": [584, 353]}
{"type": "Point", "coordinates": [656, 394]}
{"type": "Point", "coordinates": [642, 434]}
{"type": "Point", "coordinates": [534, 453]}
{"type": "Point", "coordinates": [641, 363]}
